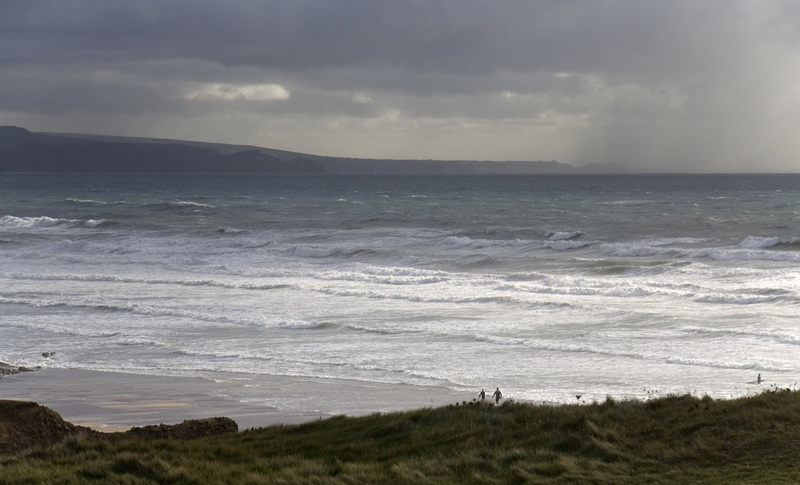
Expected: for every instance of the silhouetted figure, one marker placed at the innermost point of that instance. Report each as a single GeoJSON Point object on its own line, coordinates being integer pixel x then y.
{"type": "Point", "coordinates": [759, 379]}
{"type": "Point", "coordinates": [497, 395]}
{"type": "Point", "coordinates": [482, 395]}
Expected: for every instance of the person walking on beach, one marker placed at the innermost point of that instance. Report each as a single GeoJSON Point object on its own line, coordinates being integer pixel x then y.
{"type": "Point", "coordinates": [482, 395]}
{"type": "Point", "coordinates": [497, 395]}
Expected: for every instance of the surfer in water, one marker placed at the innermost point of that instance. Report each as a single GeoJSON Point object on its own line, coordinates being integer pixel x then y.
{"type": "Point", "coordinates": [482, 395]}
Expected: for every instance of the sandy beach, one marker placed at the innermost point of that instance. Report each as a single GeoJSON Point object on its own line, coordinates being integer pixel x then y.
{"type": "Point", "coordinates": [111, 401]}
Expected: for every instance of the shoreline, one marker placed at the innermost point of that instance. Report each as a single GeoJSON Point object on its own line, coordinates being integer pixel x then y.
{"type": "Point", "coordinates": [114, 401]}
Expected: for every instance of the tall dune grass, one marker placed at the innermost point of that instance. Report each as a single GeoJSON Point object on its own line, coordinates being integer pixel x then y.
{"type": "Point", "coordinates": [673, 439]}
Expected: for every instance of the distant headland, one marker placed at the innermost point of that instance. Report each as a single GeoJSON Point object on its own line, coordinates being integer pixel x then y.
{"type": "Point", "coordinates": [23, 151]}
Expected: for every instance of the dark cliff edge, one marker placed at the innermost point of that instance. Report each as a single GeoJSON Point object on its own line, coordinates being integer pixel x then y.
{"type": "Point", "coordinates": [28, 425]}
{"type": "Point", "coordinates": [25, 152]}
{"type": "Point", "coordinates": [22, 151]}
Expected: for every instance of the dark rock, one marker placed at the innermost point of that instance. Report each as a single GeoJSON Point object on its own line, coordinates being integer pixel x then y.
{"type": "Point", "coordinates": [187, 430]}
{"type": "Point", "coordinates": [26, 425]}
{"type": "Point", "coordinates": [8, 369]}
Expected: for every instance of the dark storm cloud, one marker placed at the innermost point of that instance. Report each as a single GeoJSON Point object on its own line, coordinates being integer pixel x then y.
{"type": "Point", "coordinates": [459, 37]}
{"type": "Point", "coordinates": [642, 82]}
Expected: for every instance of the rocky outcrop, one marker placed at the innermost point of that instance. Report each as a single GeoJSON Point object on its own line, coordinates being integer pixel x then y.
{"type": "Point", "coordinates": [27, 425]}
{"type": "Point", "coordinates": [8, 369]}
{"type": "Point", "coordinates": [187, 430]}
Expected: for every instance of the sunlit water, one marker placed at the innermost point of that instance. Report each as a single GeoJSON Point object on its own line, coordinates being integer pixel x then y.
{"type": "Point", "coordinates": [548, 287]}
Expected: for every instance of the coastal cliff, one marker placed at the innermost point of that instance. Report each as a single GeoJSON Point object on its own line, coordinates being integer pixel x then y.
{"type": "Point", "coordinates": [23, 151]}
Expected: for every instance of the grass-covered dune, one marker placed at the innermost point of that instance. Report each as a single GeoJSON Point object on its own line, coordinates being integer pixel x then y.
{"type": "Point", "coordinates": [673, 439]}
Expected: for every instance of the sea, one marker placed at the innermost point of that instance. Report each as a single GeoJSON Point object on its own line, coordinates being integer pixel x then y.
{"type": "Point", "coordinates": [552, 288]}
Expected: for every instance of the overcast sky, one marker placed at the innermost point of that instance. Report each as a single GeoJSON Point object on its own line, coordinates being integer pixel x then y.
{"type": "Point", "coordinates": [658, 85]}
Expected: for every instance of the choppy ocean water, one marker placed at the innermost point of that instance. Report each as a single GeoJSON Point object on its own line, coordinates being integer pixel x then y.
{"type": "Point", "coordinates": [548, 287]}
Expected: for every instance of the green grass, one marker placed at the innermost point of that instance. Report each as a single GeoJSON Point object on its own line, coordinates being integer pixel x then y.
{"type": "Point", "coordinates": [669, 440]}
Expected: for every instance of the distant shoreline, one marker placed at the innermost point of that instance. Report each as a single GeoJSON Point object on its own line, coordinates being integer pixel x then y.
{"type": "Point", "coordinates": [23, 151]}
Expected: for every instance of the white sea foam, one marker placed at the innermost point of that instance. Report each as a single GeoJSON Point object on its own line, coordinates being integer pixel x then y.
{"type": "Point", "coordinates": [47, 222]}
{"type": "Point", "coordinates": [304, 325]}
{"type": "Point", "coordinates": [663, 249]}
{"type": "Point", "coordinates": [471, 243]}
{"type": "Point", "coordinates": [85, 201]}
{"type": "Point", "coordinates": [676, 292]}
{"type": "Point", "coordinates": [185, 203]}
{"type": "Point", "coordinates": [589, 349]}
{"type": "Point", "coordinates": [726, 365]}
{"type": "Point", "coordinates": [566, 244]}
{"type": "Point", "coordinates": [42, 221]}
{"type": "Point", "coordinates": [677, 241]}
{"type": "Point", "coordinates": [755, 242]}
{"type": "Point", "coordinates": [383, 330]}
{"type": "Point", "coordinates": [230, 230]}
{"type": "Point", "coordinates": [314, 252]}
{"type": "Point", "coordinates": [744, 255]}
{"type": "Point", "coordinates": [563, 235]}
{"type": "Point", "coordinates": [736, 299]}
{"type": "Point", "coordinates": [780, 336]}
{"type": "Point", "coordinates": [140, 342]}
{"type": "Point", "coordinates": [632, 249]}
{"type": "Point", "coordinates": [52, 329]}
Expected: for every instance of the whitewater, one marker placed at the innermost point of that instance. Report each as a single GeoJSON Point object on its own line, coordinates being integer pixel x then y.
{"type": "Point", "coordinates": [553, 288]}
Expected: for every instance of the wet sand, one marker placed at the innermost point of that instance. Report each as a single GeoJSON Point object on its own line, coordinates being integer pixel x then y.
{"type": "Point", "coordinates": [110, 401]}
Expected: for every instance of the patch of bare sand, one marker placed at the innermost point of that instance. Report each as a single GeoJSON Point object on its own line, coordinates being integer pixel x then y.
{"type": "Point", "coordinates": [111, 400]}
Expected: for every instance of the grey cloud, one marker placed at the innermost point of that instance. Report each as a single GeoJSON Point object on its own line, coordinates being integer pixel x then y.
{"type": "Point", "coordinates": [643, 82]}
{"type": "Point", "coordinates": [463, 37]}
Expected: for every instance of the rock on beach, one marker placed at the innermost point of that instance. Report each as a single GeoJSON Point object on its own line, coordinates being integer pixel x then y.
{"type": "Point", "coordinates": [8, 369]}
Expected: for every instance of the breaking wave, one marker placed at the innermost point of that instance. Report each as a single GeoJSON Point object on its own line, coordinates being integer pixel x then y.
{"type": "Point", "coordinates": [48, 222]}
{"type": "Point", "coordinates": [756, 242]}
